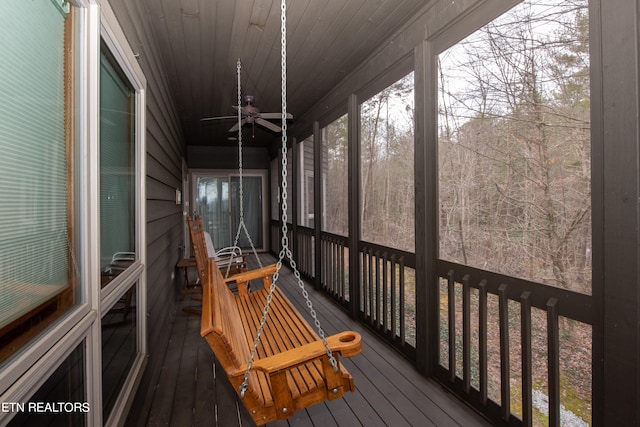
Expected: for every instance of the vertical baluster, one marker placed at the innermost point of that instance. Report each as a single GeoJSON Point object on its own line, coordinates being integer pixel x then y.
{"type": "Point", "coordinates": [325, 263]}
{"type": "Point", "coordinates": [482, 345]}
{"type": "Point", "coordinates": [452, 325]}
{"type": "Point", "coordinates": [394, 304]}
{"type": "Point", "coordinates": [337, 279]}
{"type": "Point", "coordinates": [304, 255]}
{"type": "Point", "coordinates": [385, 292]}
{"type": "Point", "coordinates": [505, 383]}
{"type": "Point", "coordinates": [340, 283]}
{"type": "Point", "coordinates": [345, 291]}
{"type": "Point", "coordinates": [363, 279]}
{"type": "Point", "coordinates": [310, 256]}
{"type": "Point", "coordinates": [329, 258]}
{"type": "Point", "coordinates": [525, 332]}
{"type": "Point", "coordinates": [309, 249]}
{"type": "Point", "coordinates": [371, 293]}
{"type": "Point", "coordinates": [307, 254]}
{"type": "Point", "coordinates": [320, 268]}
{"type": "Point", "coordinates": [302, 252]}
{"type": "Point", "coordinates": [403, 316]}
{"type": "Point", "coordinates": [330, 265]}
{"type": "Point", "coordinates": [301, 255]}
{"type": "Point", "coordinates": [466, 333]}
{"type": "Point", "coordinates": [553, 351]}
{"type": "Point", "coordinates": [338, 267]}
{"type": "Point", "coordinates": [378, 290]}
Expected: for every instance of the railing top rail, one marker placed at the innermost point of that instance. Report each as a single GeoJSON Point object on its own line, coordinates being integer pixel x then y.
{"type": "Point", "coordinates": [572, 305]}
{"type": "Point", "coordinates": [409, 258]}
{"type": "Point", "coordinates": [327, 235]}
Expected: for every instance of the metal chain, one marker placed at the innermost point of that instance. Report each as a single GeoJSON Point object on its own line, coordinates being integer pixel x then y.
{"type": "Point", "coordinates": [241, 224]}
{"type": "Point", "coordinates": [285, 251]}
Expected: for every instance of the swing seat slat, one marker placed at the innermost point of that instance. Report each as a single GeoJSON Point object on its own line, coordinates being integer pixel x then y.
{"type": "Point", "coordinates": [291, 369]}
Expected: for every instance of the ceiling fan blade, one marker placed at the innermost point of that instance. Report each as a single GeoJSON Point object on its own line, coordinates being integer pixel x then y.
{"type": "Point", "coordinates": [268, 125]}
{"type": "Point", "coordinates": [211, 119]}
{"type": "Point", "coordinates": [243, 110]}
{"type": "Point", "coordinates": [275, 116]}
{"type": "Point", "coordinates": [235, 127]}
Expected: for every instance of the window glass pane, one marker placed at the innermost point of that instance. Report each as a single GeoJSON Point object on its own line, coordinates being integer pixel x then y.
{"type": "Point", "coordinates": [514, 146]}
{"type": "Point", "coordinates": [61, 401]}
{"type": "Point", "coordinates": [117, 168]}
{"type": "Point", "coordinates": [38, 239]}
{"type": "Point", "coordinates": [212, 204]}
{"type": "Point", "coordinates": [119, 347]}
{"type": "Point", "coordinates": [335, 208]}
{"type": "Point", "coordinates": [252, 200]}
{"type": "Point", "coordinates": [386, 135]}
{"type": "Point", "coordinates": [306, 184]}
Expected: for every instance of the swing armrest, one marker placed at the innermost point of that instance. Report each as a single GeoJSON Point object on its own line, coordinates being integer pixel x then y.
{"type": "Point", "coordinates": [229, 251]}
{"type": "Point", "coordinates": [226, 257]}
{"type": "Point", "coordinates": [347, 344]}
{"type": "Point", "coordinates": [242, 279]}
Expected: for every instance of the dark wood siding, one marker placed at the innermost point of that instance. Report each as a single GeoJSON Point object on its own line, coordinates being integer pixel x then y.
{"type": "Point", "coordinates": [165, 151]}
{"type": "Point", "coordinates": [202, 157]}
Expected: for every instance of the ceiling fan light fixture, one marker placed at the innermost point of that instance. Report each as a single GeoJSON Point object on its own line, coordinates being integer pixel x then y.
{"type": "Point", "coordinates": [252, 115]}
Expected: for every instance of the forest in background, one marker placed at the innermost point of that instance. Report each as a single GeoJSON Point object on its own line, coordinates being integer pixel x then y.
{"type": "Point", "coordinates": [514, 146]}
{"type": "Point", "coordinates": [514, 169]}
{"type": "Point", "coordinates": [514, 150]}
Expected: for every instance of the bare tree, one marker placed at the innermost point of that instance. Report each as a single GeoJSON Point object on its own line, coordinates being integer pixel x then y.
{"type": "Point", "coordinates": [514, 146]}
{"type": "Point", "coordinates": [387, 166]}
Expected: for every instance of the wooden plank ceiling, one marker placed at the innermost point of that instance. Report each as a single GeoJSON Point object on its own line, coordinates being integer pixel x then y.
{"type": "Point", "coordinates": [201, 40]}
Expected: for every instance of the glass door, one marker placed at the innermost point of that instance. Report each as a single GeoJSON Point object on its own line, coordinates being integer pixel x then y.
{"type": "Point", "coordinates": [253, 218]}
{"type": "Point", "coordinates": [212, 203]}
{"type": "Point", "coordinates": [217, 200]}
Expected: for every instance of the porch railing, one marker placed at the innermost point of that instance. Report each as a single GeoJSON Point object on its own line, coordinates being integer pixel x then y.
{"type": "Point", "coordinates": [335, 267]}
{"type": "Point", "coordinates": [387, 294]}
{"type": "Point", "coordinates": [482, 316]}
{"type": "Point", "coordinates": [501, 341]}
{"type": "Point", "coordinates": [305, 252]}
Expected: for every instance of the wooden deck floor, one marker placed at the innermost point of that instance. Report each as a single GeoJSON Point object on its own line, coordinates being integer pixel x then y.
{"type": "Point", "coordinates": [194, 391]}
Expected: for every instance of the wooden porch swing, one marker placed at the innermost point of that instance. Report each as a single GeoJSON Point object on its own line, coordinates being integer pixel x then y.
{"type": "Point", "coordinates": [276, 361]}
{"type": "Point", "coordinates": [291, 369]}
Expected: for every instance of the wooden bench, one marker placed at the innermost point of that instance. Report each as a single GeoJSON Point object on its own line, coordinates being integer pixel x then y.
{"type": "Point", "coordinates": [291, 369]}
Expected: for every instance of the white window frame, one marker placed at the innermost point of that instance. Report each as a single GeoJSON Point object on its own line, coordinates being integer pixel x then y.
{"type": "Point", "coordinates": [114, 38]}
{"type": "Point", "coordinates": [22, 376]}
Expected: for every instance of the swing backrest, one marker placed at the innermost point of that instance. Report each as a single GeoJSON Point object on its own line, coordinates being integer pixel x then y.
{"type": "Point", "coordinates": [196, 232]}
{"type": "Point", "coordinates": [221, 317]}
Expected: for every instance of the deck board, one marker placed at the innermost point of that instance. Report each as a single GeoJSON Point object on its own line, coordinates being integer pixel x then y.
{"type": "Point", "coordinates": [164, 393]}
{"type": "Point", "coordinates": [193, 390]}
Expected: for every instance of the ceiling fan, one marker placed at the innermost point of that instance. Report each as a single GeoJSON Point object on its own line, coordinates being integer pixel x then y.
{"type": "Point", "coordinates": [251, 114]}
